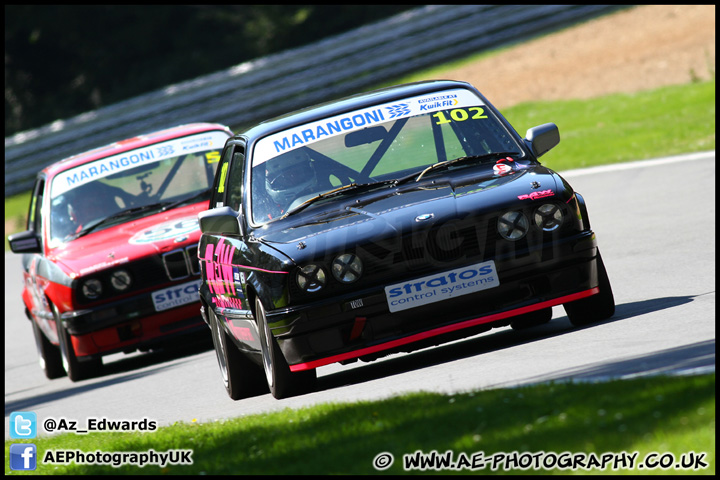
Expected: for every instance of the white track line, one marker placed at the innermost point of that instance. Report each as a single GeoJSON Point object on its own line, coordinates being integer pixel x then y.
{"type": "Point", "coordinates": [638, 164]}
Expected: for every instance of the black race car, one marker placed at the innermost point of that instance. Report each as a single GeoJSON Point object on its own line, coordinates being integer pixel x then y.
{"type": "Point", "coordinates": [386, 222]}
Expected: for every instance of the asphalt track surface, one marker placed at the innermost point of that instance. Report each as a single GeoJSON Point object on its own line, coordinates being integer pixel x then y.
{"type": "Point", "coordinates": [655, 224]}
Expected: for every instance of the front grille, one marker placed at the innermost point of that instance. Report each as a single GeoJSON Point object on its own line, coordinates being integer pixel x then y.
{"type": "Point", "coordinates": [192, 253]}
{"type": "Point", "coordinates": [181, 263]}
{"type": "Point", "coordinates": [148, 272]}
{"type": "Point", "coordinates": [441, 248]}
{"type": "Point", "coordinates": [447, 244]}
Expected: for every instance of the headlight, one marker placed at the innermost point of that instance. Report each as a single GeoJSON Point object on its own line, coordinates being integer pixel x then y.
{"type": "Point", "coordinates": [120, 280]}
{"type": "Point", "coordinates": [513, 225]}
{"type": "Point", "coordinates": [347, 268]}
{"type": "Point", "coordinates": [548, 217]}
{"type": "Point", "coordinates": [92, 288]}
{"type": "Point", "coordinates": [311, 278]}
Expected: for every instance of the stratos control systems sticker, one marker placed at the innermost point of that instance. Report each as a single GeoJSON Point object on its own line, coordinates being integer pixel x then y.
{"type": "Point", "coordinates": [176, 295]}
{"type": "Point", "coordinates": [441, 286]}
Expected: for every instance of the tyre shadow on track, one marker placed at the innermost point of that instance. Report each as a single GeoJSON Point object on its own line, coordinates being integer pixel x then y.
{"type": "Point", "coordinates": [500, 339]}
{"type": "Point", "coordinates": [127, 369]}
{"type": "Point", "coordinates": [183, 347]}
{"type": "Point", "coordinates": [178, 354]}
{"type": "Point", "coordinates": [689, 359]}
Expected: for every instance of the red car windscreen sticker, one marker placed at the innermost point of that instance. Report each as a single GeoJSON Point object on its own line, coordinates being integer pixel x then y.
{"type": "Point", "coordinates": [507, 165]}
{"type": "Point", "coordinates": [166, 231]}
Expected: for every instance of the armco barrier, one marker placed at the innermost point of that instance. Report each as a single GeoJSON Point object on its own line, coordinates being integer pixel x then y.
{"type": "Point", "coordinates": [262, 88]}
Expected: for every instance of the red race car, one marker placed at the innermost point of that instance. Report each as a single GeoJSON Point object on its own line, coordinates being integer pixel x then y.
{"type": "Point", "coordinates": [110, 252]}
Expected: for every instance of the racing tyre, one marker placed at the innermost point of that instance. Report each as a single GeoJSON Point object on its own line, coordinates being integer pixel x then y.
{"type": "Point", "coordinates": [598, 307]}
{"type": "Point", "coordinates": [282, 382]}
{"type": "Point", "coordinates": [242, 378]}
{"type": "Point", "coordinates": [532, 319]}
{"type": "Point", "coordinates": [49, 356]}
{"type": "Point", "coordinates": [76, 369]}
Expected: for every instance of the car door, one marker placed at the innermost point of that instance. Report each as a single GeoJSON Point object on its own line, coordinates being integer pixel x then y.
{"type": "Point", "coordinates": [223, 253]}
{"type": "Point", "coordinates": [36, 268]}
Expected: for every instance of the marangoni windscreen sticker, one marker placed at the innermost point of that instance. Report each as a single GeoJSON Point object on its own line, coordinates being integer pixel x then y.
{"type": "Point", "coordinates": [287, 140]}
{"type": "Point", "coordinates": [104, 167]}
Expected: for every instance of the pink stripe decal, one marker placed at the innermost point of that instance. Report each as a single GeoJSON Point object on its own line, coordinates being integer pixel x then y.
{"type": "Point", "coordinates": [441, 330]}
{"type": "Point", "coordinates": [259, 269]}
{"type": "Point", "coordinates": [245, 266]}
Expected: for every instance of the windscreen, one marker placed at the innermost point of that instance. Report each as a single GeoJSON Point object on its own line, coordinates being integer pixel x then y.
{"type": "Point", "coordinates": [375, 144]}
{"type": "Point", "coordinates": [135, 180]}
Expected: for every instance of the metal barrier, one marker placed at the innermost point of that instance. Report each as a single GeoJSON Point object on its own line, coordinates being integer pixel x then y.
{"type": "Point", "coordinates": [269, 86]}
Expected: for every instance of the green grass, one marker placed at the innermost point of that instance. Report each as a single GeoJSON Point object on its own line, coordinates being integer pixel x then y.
{"type": "Point", "coordinates": [610, 129]}
{"type": "Point", "coordinates": [16, 209]}
{"type": "Point", "coordinates": [622, 127]}
{"type": "Point", "coordinates": [674, 415]}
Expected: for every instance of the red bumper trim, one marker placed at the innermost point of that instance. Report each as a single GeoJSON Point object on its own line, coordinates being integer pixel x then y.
{"type": "Point", "coordinates": [441, 330]}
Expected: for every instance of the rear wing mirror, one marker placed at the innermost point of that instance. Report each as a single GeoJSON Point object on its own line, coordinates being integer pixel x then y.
{"type": "Point", "coordinates": [221, 220]}
{"type": "Point", "coordinates": [542, 138]}
{"type": "Point", "coordinates": [25, 242]}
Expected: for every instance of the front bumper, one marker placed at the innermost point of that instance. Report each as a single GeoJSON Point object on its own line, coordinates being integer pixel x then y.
{"type": "Point", "coordinates": [128, 324]}
{"type": "Point", "coordinates": [360, 325]}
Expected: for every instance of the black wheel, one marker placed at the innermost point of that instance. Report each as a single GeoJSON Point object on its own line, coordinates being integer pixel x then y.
{"type": "Point", "coordinates": [242, 378]}
{"type": "Point", "coordinates": [598, 307]}
{"type": "Point", "coordinates": [532, 319]}
{"type": "Point", "coordinates": [49, 356]}
{"type": "Point", "coordinates": [76, 369]}
{"type": "Point", "coordinates": [282, 382]}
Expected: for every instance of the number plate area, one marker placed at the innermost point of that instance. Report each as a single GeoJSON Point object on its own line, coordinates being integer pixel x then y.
{"type": "Point", "coordinates": [441, 286]}
{"type": "Point", "coordinates": [176, 295]}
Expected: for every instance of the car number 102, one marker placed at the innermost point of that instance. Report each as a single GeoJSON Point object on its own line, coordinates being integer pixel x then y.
{"type": "Point", "coordinates": [460, 115]}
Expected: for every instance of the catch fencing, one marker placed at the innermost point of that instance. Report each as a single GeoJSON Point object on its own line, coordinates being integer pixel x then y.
{"type": "Point", "coordinates": [252, 91]}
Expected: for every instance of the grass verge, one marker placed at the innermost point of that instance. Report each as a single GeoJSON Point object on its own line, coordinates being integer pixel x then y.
{"type": "Point", "coordinates": [623, 127]}
{"type": "Point", "coordinates": [668, 419]}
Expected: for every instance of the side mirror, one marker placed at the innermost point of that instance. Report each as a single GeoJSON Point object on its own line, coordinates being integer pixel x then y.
{"type": "Point", "coordinates": [221, 220]}
{"type": "Point", "coordinates": [542, 138]}
{"type": "Point", "coordinates": [25, 242]}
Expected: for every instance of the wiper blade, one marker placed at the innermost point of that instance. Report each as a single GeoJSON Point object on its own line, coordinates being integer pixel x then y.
{"type": "Point", "coordinates": [344, 188]}
{"type": "Point", "coordinates": [454, 161]}
{"type": "Point", "coordinates": [174, 204]}
{"type": "Point", "coordinates": [122, 213]}
{"type": "Point", "coordinates": [396, 181]}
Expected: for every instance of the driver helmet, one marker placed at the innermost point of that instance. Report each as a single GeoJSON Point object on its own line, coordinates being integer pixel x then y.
{"type": "Point", "coordinates": [287, 175]}
{"type": "Point", "coordinates": [76, 208]}
{"type": "Point", "coordinates": [88, 202]}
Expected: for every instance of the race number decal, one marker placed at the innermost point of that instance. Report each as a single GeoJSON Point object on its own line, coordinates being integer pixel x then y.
{"type": "Point", "coordinates": [460, 115]}
{"type": "Point", "coordinates": [166, 231]}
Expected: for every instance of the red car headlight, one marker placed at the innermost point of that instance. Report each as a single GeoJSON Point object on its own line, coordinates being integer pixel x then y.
{"type": "Point", "coordinates": [91, 288]}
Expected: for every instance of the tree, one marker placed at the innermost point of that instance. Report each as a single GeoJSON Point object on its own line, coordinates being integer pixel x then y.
{"type": "Point", "coordinates": [63, 60]}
